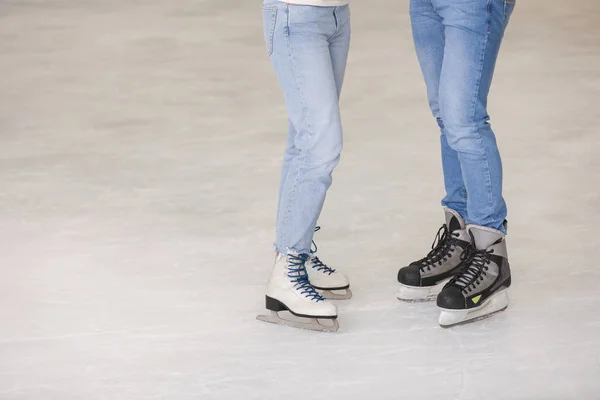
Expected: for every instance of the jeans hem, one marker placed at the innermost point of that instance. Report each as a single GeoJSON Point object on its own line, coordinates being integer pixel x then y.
{"type": "Point", "coordinates": [289, 250]}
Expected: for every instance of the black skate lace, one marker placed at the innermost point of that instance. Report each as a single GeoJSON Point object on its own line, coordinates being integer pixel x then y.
{"type": "Point", "coordinates": [299, 277]}
{"type": "Point", "coordinates": [442, 247]}
{"type": "Point", "coordinates": [316, 263]}
{"type": "Point", "coordinates": [475, 268]}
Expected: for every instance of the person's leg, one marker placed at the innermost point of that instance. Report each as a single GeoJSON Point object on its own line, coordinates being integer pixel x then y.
{"type": "Point", "coordinates": [297, 41]}
{"type": "Point", "coordinates": [320, 274]}
{"type": "Point", "coordinates": [473, 32]}
{"type": "Point", "coordinates": [304, 69]}
{"type": "Point", "coordinates": [339, 46]}
{"type": "Point", "coordinates": [429, 40]}
{"type": "Point", "coordinates": [423, 279]}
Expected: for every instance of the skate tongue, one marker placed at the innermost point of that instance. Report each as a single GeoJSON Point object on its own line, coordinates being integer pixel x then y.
{"type": "Point", "coordinates": [453, 220]}
{"type": "Point", "coordinates": [483, 237]}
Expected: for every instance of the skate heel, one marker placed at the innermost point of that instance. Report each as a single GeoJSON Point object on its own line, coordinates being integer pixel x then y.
{"type": "Point", "coordinates": [274, 304]}
{"type": "Point", "coordinates": [414, 294]}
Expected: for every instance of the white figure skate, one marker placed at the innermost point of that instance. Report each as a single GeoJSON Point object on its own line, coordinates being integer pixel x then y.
{"type": "Point", "coordinates": [326, 280]}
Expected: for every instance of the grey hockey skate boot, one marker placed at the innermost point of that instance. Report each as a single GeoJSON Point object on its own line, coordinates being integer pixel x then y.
{"type": "Point", "coordinates": [422, 280]}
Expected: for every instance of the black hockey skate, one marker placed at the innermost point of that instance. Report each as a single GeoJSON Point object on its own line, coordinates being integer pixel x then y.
{"type": "Point", "coordinates": [480, 289]}
{"type": "Point", "coordinates": [424, 279]}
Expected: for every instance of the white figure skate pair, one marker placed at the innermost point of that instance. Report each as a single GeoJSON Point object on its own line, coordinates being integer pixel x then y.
{"type": "Point", "coordinates": [302, 284]}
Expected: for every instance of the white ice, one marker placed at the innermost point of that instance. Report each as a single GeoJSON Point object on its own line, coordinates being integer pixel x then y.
{"type": "Point", "coordinates": [140, 143]}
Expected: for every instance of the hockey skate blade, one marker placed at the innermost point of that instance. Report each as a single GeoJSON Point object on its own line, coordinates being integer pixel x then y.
{"type": "Point", "coordinates": [332, 295]}
{"type": "Point", "coordinates": [413, 294]}
{"type": "Point", "coordinates": [493, 305]}
{"type": "Point", "coordinates": [314, 324]}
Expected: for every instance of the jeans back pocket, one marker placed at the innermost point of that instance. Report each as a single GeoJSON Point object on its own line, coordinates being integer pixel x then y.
{"type": "Point", "coordinates": [269, 22]}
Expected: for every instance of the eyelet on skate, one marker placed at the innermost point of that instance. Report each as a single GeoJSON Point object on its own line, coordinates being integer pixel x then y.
{"type": "Point", "coordinates": [296, 271]}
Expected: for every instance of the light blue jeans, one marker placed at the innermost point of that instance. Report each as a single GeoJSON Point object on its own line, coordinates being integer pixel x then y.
{"type": "Point", "coordinates": [308, 47]}
{"type": "Point", "coordinates": [457, 43]}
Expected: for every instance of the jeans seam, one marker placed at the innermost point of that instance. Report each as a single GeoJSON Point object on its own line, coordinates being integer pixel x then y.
{"type": "Point", "coordinates": [288, 208]}
{"type": "Point", "coordinates": [488, 176]}
{"type": "Point", "coordinates": [482, 60]}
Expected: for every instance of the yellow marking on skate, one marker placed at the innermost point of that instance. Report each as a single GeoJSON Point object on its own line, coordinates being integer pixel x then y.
{"type": "Point", "coordinates": [476, 299]}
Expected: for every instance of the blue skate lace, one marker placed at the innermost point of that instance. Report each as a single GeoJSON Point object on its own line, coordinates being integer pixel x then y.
{"type": "Point", "coordinates": [299, 277]}
{"type": "Point", "coordinates": [475, 266]}
{"type": "Point", "coordinates": [318, 264]}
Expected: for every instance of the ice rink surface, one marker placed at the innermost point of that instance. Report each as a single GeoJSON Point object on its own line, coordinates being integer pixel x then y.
{"type": "Point", "coordinates": [140, 144]}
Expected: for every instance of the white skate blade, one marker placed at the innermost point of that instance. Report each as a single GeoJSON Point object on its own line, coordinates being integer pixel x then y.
{"type": "Point", "coordinates": [313, 325]}
{"type": "Point", "coordinates": [332, 295]}
{"type": "Point", "coordinates": [413, 294]}
{"type": "Point", "coordinates": [493, 305]}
